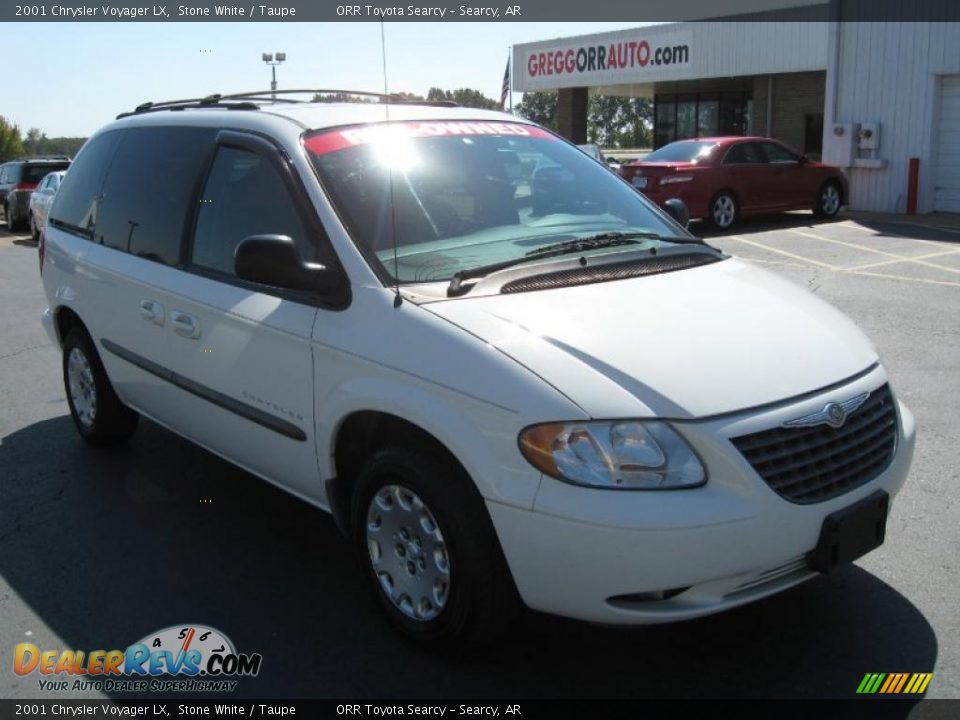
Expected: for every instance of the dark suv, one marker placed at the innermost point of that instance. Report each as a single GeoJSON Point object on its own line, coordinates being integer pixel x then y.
{"type": "Point", "coordinates": [18, 179]}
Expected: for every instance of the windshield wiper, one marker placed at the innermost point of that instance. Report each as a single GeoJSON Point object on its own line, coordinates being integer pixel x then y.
{"type": "Point", "coordinates": [568, 247]}
{"type": "Point", "coordinates": [592, 242]}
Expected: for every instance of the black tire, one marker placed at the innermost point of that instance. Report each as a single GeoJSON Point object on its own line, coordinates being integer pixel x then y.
{"type": "Point", "coordinates": [829, 200]}
{"type": "Point", "coordinates": [481, 600]}
{"type": "Point", "coordinates": [15, 223]}
{"type": "Point", "coordinates": [111, 422]}
{"type": "Point", "coordinates": [9, 218]}
{"type": "Point", "coordinates": [34, 232]}
{"type": "Point", "coordinates": [724, 210]}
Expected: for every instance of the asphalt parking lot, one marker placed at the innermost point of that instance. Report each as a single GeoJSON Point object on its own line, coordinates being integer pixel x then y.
{"type": "Point", "coordinates": [99, 548]}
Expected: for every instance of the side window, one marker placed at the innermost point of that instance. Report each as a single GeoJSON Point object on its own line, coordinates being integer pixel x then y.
{"type": "Point", "coordinates": [148, 190]}
{"type": "Point", "coordinates": [3, 174]}
{"type": "Point", "coordinates": [76, 205]}
{"type": "Point", "coordinates": [244, 195]}
{"type": "Point", "coordinates": [778, 154]}
{"type": "Point", "coordinates": [744, 154]}
{"type": "Point", "coordinates": [53, 182]}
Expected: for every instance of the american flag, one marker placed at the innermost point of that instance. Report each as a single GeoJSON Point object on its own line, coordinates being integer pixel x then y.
{"type": "Point", "coordinates": [505, 91]}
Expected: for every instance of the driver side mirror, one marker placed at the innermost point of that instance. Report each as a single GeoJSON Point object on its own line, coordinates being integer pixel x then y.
{"type": "Point", "coordinates": [678, 210]}
{"type": "Point", "coordinates": [274, 260]}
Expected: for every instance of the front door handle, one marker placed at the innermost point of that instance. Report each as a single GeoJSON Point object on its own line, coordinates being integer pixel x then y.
{"type": "Point", "coordinates": [152, 311]}
{"type": "Point", "coordinates": [184, 324]}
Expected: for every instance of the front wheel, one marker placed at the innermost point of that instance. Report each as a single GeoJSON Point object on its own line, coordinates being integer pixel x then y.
{"type": "Point", "coordinates": [723, 210]}
{"type": "Point", "coordinates": [429, 550]}
{"type": "Point", "coordinates": [828, 201]}
{"type": "Point", "coordinates": [98, 413]}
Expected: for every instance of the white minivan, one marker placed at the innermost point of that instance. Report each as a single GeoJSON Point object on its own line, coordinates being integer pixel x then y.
{"type": "Point", "coordinates": [510, 377]}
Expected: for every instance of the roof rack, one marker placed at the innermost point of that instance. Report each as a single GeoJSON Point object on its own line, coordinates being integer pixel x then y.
{"type": "Point", "coordinates": [249, 100]}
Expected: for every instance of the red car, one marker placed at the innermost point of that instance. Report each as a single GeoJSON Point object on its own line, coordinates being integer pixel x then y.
{"type": "Point", "coordinates": [723, 178]}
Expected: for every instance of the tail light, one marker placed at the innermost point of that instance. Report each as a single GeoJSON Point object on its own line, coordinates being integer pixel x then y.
{"type": "Point", "coordinates": [41, 247]}
{"type": "Point", "coordinates": [25, 186]}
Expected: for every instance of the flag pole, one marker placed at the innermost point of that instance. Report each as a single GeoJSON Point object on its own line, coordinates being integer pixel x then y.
{"type": "Point", "coordinates": [510, 77]}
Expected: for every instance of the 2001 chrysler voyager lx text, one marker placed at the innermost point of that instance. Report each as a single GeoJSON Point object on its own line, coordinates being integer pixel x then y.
{"type": "Point", "coordinates": [507, 374]}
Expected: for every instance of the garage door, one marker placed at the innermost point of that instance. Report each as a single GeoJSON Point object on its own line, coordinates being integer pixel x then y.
{"type": "Point", "coordinates": [947, 194]}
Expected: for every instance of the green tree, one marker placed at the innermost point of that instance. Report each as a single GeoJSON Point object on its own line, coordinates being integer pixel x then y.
{"type": "Point", "coordinates": [539, 107]}
{"type": "Point", "coordinates": [614, 121]}
{"type": "Point", "coordinates": [11, 146]}
{"type": "Point", "coordinates": [37, 144]}
{"type": "Point", "coordinates": [467, 97]}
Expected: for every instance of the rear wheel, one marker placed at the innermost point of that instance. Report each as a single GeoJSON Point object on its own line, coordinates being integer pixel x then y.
{"type": "Point", "coordinates": [429, 550]}
{"type": "Point", "coordinates": [9, 217]}
{"type": "Point", "coordinates": [723, 210]}
{"type": "Point", "coordinates": [828, 200]}
{"type": "Point", "coordinates": [98, 413]}
{"type": "Point", "coordinates": [14, 222]}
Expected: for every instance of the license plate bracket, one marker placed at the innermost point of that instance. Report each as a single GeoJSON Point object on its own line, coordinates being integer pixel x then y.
{"type": "Point", "coordinates": [851, 533]}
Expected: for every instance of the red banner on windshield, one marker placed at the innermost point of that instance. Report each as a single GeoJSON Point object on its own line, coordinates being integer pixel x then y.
{"type": "Point", "coordinates": [385, 132]}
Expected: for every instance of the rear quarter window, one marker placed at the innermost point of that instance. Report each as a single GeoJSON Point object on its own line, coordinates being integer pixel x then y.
{"type": "Point", "coordinates": [75, 208]}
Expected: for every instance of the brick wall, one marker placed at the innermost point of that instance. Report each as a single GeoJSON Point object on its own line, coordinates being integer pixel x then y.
{"type": "Point", "coordinates": [794, 96]}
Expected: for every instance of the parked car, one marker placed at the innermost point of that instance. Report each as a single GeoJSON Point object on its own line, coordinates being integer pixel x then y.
{"type": "Point", "coordinates": [41, 200]}
{"type": "Point", "coordinates": [18, 180]}
{"type": "Point", "coordinates": [503, 389]}
{"type": "Point", "coordinates": [596, 153]}
{"type": "Point", "coordinates": [724, 178]}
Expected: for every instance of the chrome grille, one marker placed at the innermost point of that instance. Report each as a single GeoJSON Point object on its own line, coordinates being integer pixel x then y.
{"type": "Point", "coordinates": [813, 464]}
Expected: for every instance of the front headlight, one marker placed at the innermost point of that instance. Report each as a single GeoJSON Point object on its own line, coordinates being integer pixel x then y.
{"type": "Point", "coordinates": [629, 455]}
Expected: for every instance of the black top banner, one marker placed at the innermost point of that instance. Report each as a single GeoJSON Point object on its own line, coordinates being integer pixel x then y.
{"type": "Point", "coordinates": [478, 709]}
{"type": "Point", "coordinates": [482, 11]}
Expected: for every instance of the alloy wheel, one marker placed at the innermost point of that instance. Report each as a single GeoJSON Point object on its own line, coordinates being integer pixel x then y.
{"type": "Point", "coordinates": [724, 211]}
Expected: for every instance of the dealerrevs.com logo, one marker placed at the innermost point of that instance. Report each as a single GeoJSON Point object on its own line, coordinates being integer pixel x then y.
{"type": "Point", "coordinates": [180, 658]}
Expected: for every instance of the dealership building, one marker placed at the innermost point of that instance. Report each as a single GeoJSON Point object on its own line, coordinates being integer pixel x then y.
{"type": "Point", "coordinates": [869, 96]}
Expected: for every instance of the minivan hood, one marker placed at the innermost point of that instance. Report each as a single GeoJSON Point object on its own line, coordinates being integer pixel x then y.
{"type": "Point", "coordinates": [688, 344]}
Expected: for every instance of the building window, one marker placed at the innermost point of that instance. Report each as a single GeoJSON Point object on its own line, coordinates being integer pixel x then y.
{"type": "Point", "coordinates": [708, 116]}
{"type": "Point", "coordinates": [813, 134]}
{"type": "Point", "coordinates": [700, 115]}
{"type": "Point", "coordinates": [687, 117]}
{"type": "Point", "coordinates": [665, 120]}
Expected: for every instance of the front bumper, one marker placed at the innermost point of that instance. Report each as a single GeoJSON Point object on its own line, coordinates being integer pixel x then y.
{"type": "Point", "coordinates": [729, 542]}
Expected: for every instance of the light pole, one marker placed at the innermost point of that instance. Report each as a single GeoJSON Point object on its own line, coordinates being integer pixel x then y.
{"type": "Point", "coordinates": [268, 59]}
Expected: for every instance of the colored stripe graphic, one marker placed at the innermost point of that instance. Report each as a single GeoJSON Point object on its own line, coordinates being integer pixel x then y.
{"type": "Point", "coordinates": [894, 683]}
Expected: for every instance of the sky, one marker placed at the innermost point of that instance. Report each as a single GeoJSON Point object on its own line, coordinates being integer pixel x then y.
{"type": "Point", "coordinates": [81, 75]}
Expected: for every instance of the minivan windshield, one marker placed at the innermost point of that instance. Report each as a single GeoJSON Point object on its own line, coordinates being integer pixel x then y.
{"type": "Point", "coordinates": [681, 151]}
{"type": "Point", "coordinates": [450, 196]}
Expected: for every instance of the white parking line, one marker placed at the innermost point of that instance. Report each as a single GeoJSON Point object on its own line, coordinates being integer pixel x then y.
{"type": "Point", "coordinates": [903, 277]}
{"type": "Point", "coordinates": [864, 248]}
{"type": "Point", "coordinates": [855, 226]}
{"type": "Point", "coordinates": [850, 271]}
{"type": "Point", "coordinates": [807, 261]}
{"type": "Point", "coordinates": [894, 262]}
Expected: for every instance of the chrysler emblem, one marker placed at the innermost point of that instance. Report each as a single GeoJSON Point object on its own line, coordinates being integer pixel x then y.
{"type": "Point", "coordinates": [833, 414]}
{"type": "Point", "coordinates": [836, 415]}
